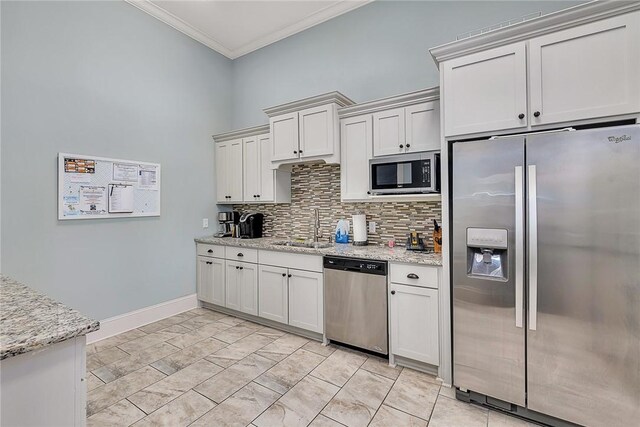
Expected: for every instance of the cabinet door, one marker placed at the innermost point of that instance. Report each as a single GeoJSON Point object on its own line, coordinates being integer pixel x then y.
{"type": "Point", "coordinates": [388, 132]}
{"type": "Point", "coordinates": [248, 285]}
{"type": "Point", "coordinates": [234, 171]}
{"type": "Point", "coordinates": [317, 131]}
{"type": "Point", "coordinates": [273, 294]}
{"type": "Point", "coordinates": [218, 281]}
{"type": "Point", "coordinates": [356, 145]}
{"type": "Point", "coordinates": [266, 180]}
{"type": "Point", "coordinates": [221, 151]}
{"type": "Point", "coordinates": [486, 91]}
{"type": "Point", "coordinates": [251, 169]}
{"type": "Point", "coordinates": [588, 71]}
{"type": "Point", "coordinates": [204, 279]}
{"type": "Point", "coordinates": [284, 137]}
{"type": "Point", "coordinates": [422, 127]}
{"type": "Point", "coordinates": [232, 288]}
{"type": "Point", "coordinates": [306, 300]}
{"type": "Point", "coordinates": [414, 323]}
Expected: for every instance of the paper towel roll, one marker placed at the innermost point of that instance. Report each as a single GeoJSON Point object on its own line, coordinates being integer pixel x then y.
{"type": "Point", "coordinates": [359, 229]}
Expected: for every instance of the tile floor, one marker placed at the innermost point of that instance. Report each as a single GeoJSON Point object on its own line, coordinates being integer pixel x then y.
{"type": "Point", "coordinates": [203, 368]}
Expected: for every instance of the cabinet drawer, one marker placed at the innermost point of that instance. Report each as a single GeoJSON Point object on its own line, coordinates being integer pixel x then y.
{"type": "Point", "coordinates": [289, 260]}
{"type": "Point", "coordinates": [241, 254]}
{"type": "Point", "coordinates": [412, 274]}
{"type": "Point", "coordinates": [216, 251]}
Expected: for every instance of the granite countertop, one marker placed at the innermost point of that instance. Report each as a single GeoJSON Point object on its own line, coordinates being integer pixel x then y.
{"type": "Point", "coordinates": [374, 252]}
{"type": "Point", "coordinates": [30, 320]}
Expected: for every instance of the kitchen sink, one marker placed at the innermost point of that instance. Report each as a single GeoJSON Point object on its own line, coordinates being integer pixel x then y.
{"type": "Point", "coordinates": [298, 244]}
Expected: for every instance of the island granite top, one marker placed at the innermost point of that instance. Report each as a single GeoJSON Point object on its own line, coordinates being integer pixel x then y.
{"type": "Point", "coordinates": [374, 252]}
{"type": "Point", "coordinates": [30, 320]}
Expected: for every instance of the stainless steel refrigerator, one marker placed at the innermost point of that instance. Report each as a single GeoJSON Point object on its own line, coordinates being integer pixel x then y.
{"type": "Point", "coordinates": [546, 274]}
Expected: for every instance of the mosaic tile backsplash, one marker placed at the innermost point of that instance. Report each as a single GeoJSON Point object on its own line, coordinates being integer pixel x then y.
{"type": "Point", "coordinates": [317, 185]}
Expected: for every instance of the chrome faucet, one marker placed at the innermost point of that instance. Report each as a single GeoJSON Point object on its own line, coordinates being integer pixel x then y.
{"type": "Point", "coordinates": [316, 225]}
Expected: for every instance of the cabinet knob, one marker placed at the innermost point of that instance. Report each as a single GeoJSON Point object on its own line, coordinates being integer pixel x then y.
{"type": "Point", "coordinates": [237, 268]}
{"type": "Point", "coordinates": [288, 275]}
{"type": "Point", "coordinates": [241, 268]}
{"type": "Point", "coordinates": [412, 276]}
{"type": "Point", "coordinates": [408, 145]}
{"type": "Point", "coordinates": [536, 114]}
{"type": "Point", "coordinates": [295, 152]}
{"type": "Point", "coordinates": [368, 192]}
{"type": "Point", "coordinates": [240, 254]}
{"type": "Point", "coordinates": [258, 196]}
{"type": "Point", "coordinates": [300, 151]}
{"type": "Point", "coordinates": [401, 146]}
{"type": "Point", "coordinates": [210, 251]}
{"type": "Point", "coordinates": [393, 292]}
{"type": "Point", "coordinates": [521, 116]}
{"type": "Point", "coordinates": [284, 274]}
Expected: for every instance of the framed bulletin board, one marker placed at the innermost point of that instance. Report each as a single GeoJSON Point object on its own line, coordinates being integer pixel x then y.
{"type": "Point", "coordinates": [91, 187]}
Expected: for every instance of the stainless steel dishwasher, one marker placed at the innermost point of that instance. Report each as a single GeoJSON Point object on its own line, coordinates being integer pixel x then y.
{"type": "Point", "coordinates": [355, 298]}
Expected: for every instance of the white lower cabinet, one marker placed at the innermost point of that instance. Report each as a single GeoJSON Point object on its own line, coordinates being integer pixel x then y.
{"type": "Point", "coordinates": [211, 280]}
{"type": "Point", "coordinates": [413, 316]}
{"type": "Point", "coordinates": [273, 285]}
{"type": "Point", "coordinates": [242, 287]}
{"type": "Point", "coordinates": [306, 302]}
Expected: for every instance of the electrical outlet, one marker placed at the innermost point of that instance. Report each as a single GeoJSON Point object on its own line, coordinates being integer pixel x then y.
{"type": "Point", "coordinates": [372, 227]}
{"type": "Point", "coordinates": [205, 222]}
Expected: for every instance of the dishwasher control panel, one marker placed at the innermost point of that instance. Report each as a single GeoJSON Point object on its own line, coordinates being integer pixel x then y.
{"type": "Point", "coordinates": [356, 265]}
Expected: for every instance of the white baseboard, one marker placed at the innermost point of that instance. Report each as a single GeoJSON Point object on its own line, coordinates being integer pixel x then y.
{"type": "Point", "coordinates": [134, 319]}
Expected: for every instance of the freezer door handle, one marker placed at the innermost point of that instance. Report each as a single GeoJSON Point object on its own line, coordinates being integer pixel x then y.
{"type": "Point", "coordinates": [519, 182]}
{"type": "Point", "coordinates": [533, 248]}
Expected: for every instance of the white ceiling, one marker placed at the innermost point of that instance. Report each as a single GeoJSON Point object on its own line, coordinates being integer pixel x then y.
{"type": "Point", "coordinates": [237, 27]}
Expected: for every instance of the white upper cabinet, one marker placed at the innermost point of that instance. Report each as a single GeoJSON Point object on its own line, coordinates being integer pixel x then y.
{"type": "Point", "coordinates": [229, 171]}
{"type": "Point", "coordinates": [486, 91]}
{"type": "Point", "coordinates": [422, 131]}
{"type": "Point", "coordinates": [285, 137]}
{"type": "Point", "coordinates": [244, 172]}
{"type": "Point", "coordinates": [222, 195]}
{"type": "Point", "coordinates": [266, 174]}
{"type": "Point", "coordinates": [580, 65]}
{"type": "Point", "coordinates": [356, 142]}
{"type": "Point", "coordinates": [306, 130]}
{"type": "Point", "coordinates": [389, 132]}
{"type": "Point", "coordinates": [317, 131]}
{"type": "Point", "coordinates": [251, 168]}
{"type": "Point", "coordinates": [588, 71]}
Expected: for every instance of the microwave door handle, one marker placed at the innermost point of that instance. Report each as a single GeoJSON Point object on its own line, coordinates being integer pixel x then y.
{"type": "Point", "coordinates": [519, 290]}
{"type": "Point", "coordinates": [533, 248]}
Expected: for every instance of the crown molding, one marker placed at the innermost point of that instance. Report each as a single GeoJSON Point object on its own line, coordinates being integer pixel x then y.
{"type": "Point", "coordinates": [241, 133]}
{"type": "Point", "coordinates": [553, 22]}
{"type": "Point", "coordinates": [315, 18]}
{"type": "Point", "coordinates": [318, 17]}
{"type": "Point", "coordinates": [397, 101]}
{"type": "Point", "coordinates": [180, 25]}
{"type": "Point", "coordinates": [314, 101]}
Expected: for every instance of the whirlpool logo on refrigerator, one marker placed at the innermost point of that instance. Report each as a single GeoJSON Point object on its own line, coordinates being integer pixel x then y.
{"type": "Point", "coordinates": [619, 139]}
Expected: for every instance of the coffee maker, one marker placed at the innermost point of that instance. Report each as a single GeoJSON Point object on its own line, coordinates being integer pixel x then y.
{"type": "Point", "coordinates": [251, 225]}
{"type": "Point", "coordinates": [228, 222]}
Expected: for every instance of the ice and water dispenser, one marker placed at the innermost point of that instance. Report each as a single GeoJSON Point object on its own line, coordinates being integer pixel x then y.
{"type": "Point", "coordinates": [487, 253]}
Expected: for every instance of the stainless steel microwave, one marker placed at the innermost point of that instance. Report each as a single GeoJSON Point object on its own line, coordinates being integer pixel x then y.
{"type": "Point", "coordinates": [405, 174]}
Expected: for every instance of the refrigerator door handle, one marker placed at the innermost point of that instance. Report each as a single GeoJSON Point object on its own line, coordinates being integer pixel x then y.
{"type": "Point", "coordinates": [519, 193]}
{"type": "Point", "coordinates": [533, 248]}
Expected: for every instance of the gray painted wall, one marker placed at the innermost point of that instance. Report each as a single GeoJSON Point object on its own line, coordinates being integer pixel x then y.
{"type": "Point", "coordinates": [105, 79]}
{"type": "Point", "coordinates": [378, 50]}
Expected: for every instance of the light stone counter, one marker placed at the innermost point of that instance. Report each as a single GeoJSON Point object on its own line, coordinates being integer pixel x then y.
{"type": "Point", "coordinates": [373, 252]}
{"type": "Point", "coordinates": [30, 320]}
